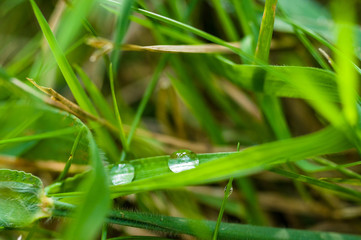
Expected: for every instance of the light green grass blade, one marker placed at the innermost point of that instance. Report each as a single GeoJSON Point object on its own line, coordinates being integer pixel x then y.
{"type": "Point", "coordinates": [72, 20]}
{"type": "Point", "coordinates": [125, 11]}
{"type": "Point", "coordinates": [246, 162]}
{"type": "Point", "coordinates": [63, 63]}
{"type": "Point", "coordinates": [266, 31]}
{"type": "Point", "coordinates": [271, 106]}
{"type": "Point", "coordinates": [46, 135]}
{"type": "Point", "coordinates": [274, 84]}
{"type": "Point", "coordinates": [346, 75]}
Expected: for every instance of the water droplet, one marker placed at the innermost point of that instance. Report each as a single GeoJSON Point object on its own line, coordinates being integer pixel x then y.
{"type": "Point", "coordinates": [121, 174]}
{"type": "Point", "coordinates": [230, 191]}
{"type": "Point", "coordinates": [182, 160]}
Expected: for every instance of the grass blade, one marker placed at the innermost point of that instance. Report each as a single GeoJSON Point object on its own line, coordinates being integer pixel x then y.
{"type": "Point", "coordinates": [116, 110]}
{"type": "Point", "coordinates": [121, 28]}
{"type": "Point", "coordinates": [63, 63]}
{"type": "Point", "coordinates": [346, 75]}
{"type": "Point", "coordinates": [246, 162]}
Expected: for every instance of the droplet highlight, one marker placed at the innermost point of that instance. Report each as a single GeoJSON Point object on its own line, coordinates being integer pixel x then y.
{"type": "Point", "coordinates": [182, 160]}
{"type": "Point", "coordinates": [121, 174]}
{"type": "Point", "coordinates": [230, 191]}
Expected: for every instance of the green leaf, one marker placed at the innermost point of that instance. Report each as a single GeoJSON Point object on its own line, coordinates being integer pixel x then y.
{"type": "Point", "coordinates": [22, 200]}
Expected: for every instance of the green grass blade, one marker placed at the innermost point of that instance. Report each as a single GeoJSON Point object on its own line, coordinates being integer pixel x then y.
{"type": "Point", "coordinates": [145, 99]}
{"type": "Point", "coordinates": [63, 63]}
{"type": "Point", "coordinates": [116, 110]}
{"type": "Point", "coordinates": [266, 30]}
{"type": "Point", "coordinates": [221, 211]}
{"type": "Point", "coordinates": [271, 105]}
{"type": "Point", "coordinates": [96, 96]}
{"type": "Point", "coordinates": [91, 213]}
{"type": "Point", "coordinates": [204, 229]}
{"type": "Point", "coordinates": [246, 162]}
{"type": "Point", "coordinates": [72, 21]}
{"type": "Point", "coordinates": [121, 28]}
{"type": "Point", "coordinates": [70, 159]}
{"type": "Point", "coordinates": [51, 134]}
{"type": "Point", "coordinates": [346, 75]}
{"type": "Point", "coordinates": [356, 195]}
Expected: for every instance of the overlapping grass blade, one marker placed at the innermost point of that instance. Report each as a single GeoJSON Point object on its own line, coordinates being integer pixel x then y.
{"type": "Point", "coordinates": [95, 203]}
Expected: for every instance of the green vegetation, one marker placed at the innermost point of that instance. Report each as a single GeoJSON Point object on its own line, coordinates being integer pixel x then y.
{"type": "Point", "coordinates": [257, 100]}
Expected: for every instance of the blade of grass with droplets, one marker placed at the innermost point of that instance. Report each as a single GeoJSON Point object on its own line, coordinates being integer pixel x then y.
{"type": "Point", "coordinates": [228, 191]}
{"type": "Point", "coordinates": [63, 63]}
{"type": "Point", "coordinates": [246, 162]}
{"type": "Point", "coordinates": [116, 111]}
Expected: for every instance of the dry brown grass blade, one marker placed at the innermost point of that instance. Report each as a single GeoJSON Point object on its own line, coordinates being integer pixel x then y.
{"type": "Point", "coordinates": [107, 45]}
{"type": "Point", "coordinates": [203, 48]}
{"type": "Point", "coordinates": [63, 103]}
